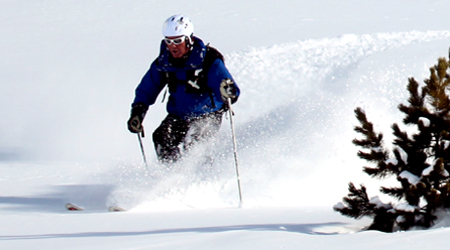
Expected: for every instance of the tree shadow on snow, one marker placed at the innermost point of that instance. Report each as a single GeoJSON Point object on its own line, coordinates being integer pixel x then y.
{"type": "Point", "coordinates": [311, 229]}
{"type": "Point", "coordinates": [92, 197]}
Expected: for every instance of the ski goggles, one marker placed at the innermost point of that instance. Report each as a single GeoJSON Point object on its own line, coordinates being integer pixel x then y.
{"type": "Point", "coordinates": [175, 41]}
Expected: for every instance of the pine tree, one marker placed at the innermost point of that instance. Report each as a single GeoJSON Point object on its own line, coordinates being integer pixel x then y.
{"type": "Point", "coordinates": [420, 161]}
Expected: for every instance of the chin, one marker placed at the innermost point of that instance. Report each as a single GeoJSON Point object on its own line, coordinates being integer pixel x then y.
{"type": "Point", "coordinates": [177, 55]}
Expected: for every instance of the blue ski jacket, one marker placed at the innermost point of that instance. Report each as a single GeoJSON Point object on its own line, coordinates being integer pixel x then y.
{"type": "Point", "coordinates": [186, 99]}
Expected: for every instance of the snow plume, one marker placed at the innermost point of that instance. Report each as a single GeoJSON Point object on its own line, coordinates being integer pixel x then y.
{"type": "Point", "coordinates": [193, 182]}
{"type": "Point", "coordinates": [295, 112]}
{"type": "Point", "coordinates": [283, 73]}
{"type": "Point", "coordinates": [294, 121]}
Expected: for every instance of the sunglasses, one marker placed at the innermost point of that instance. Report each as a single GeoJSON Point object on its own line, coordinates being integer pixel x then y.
{"type": "Point", "coordinates": [175, 41]}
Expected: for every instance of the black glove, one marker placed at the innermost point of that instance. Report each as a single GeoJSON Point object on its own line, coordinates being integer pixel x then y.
{"type": "Point", "coordinates": [137, 116]}
{"type": "Point", "coordinates": [228, 90]}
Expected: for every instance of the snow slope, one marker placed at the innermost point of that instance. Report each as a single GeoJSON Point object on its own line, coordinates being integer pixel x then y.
{"type": "Point", "coordinates": [68, 74]}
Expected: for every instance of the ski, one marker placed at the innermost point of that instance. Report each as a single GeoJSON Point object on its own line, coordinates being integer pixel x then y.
{"type": "Point", "coordinates": [73, 207]}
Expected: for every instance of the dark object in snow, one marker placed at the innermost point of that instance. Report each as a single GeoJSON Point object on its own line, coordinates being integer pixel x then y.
{"type": "Point", "coordinates": [73, 207]}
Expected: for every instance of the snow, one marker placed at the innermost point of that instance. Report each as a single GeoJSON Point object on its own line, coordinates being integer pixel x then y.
{"type": "Point", "coordinates": [412, 179]}
{"type": "Point", "coordinates": [425, 121]}
{"type": "Point", "coordinates": [428, 170]}
{"type": "Point", "coordinates": [446, 144]}
{"type": "Point", "coordinates": [405, 207]}
{"type": "Point", "coordinates": [378, 203]}
{"type": "Point", "coordinates": [339, 205]}
{"type": "Point", "coordinates": [403, 154]}
{"type": "Point", "coordinates": [68, 73]}
{"type": "Point", "coordinates": [393, 161]}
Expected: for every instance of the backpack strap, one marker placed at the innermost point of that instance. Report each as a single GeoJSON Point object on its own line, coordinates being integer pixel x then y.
{"type": "Point", "coordinates": [211, 55]}
{"type": "Point", "coordinates": [197, 79]}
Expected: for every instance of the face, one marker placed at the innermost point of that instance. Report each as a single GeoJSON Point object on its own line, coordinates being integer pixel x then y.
{"type": "Point", "coordinates": [177, 46]}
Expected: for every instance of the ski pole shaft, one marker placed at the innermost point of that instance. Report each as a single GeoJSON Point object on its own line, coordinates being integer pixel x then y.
{"type": "Point", "coordinates": [142, 148]}
{"type": "Point", "coordinates": [233, 134]}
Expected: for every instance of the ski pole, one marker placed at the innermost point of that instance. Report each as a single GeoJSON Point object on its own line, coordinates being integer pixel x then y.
{"type": "Point", "coordinates": [233, 134]}
{"type": "Point", "coordinates": [142, 148]}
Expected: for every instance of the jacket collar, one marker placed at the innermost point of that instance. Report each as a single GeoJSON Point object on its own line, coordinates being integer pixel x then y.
{"type": "Point", "coordinates": [194, 61]}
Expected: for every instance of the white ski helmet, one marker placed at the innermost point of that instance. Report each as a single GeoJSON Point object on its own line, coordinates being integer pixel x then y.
{"type": "Point", "coordinates": [178, 25]}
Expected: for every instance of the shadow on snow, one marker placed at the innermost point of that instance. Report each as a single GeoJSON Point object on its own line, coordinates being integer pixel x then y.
{"type": "Point", "coordinates": [91, 196]}
{"type": "Point", "coordinates": [293, 228]}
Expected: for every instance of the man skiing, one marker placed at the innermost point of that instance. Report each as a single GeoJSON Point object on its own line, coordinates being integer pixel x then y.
{"type": "Point", "coordinates": [199, 85]}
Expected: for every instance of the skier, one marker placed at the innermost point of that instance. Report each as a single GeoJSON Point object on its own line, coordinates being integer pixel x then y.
{"type": "Point", "coordinates": [199, 85]}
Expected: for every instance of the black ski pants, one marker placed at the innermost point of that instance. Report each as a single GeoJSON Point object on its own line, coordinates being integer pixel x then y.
{"type": "Point", "coordinates": [176, 135]}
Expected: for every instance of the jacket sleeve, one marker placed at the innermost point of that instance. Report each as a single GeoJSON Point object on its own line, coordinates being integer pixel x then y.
{"type": "Point", "coordinates": [149, 88]}
{"type": "Point", "coordinates": [216, 74]}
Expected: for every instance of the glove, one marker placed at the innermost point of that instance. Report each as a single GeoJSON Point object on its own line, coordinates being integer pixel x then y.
{"type": "Point", "coordinates": [137, 116]}
{"type": "Point", "coordinates": [228, 90]}
{"type": "Point", "coordinates": [135, 124]}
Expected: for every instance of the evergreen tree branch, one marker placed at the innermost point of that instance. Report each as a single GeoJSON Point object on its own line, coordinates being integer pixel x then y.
{"type": "Point", "coordinates": [356, 203]}
{"type": "Point", "coordinates": [428, 109]}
